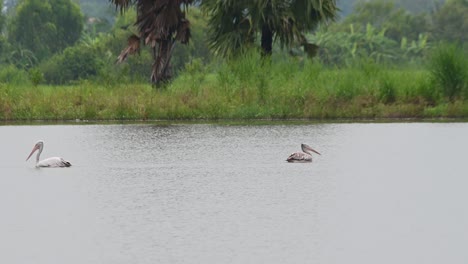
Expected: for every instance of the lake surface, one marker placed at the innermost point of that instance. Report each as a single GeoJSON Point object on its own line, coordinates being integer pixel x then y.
{"type": "Point", "coordinates": [220, 193]}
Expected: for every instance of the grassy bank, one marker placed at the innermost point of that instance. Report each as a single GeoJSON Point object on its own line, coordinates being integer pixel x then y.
{"type": "Point", "coordinates": [246, 89]}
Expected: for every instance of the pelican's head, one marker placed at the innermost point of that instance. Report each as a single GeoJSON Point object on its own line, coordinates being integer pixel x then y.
{"type": "Point", "coordinates": [39, 145]}
{"type": "Point", "coordinates": [306, 147]}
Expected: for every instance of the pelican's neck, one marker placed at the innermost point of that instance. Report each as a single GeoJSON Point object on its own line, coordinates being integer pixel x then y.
{"type": "Point", "coordinates": [305, 150]}
{"type": "Point", "coordinates": [38, 155]}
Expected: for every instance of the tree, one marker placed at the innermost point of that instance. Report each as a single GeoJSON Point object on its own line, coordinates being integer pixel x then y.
{"type": "Point", "coordinates": [3, 42]}
{"type": "Point", "coordinates": [2, 17]}
{"type": "Point", "coordinates": [160, 24]}
{"type": "Point", "coordinates": [383, 15]}
{"type": "Point", "coordinates": [235, 25]}
{"type": "Point", "coordinates": [45, 27]}
{"type": "Point", "coordinates": [413, 6]}
{"type": "Point", "coordinates": [74, 63]}
{"type": "Point", "coordinates": [450, 22]}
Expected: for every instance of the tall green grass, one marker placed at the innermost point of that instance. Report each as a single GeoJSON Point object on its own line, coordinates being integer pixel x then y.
{"type": "Point", "coordinates": [449, 71]}
{"type": "Point", "coordinates": [244, 88]}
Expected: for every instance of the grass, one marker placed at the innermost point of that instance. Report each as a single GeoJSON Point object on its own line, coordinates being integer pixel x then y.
{"type": "Point", "coordinates": [449, 70]}
{"type": "Point", "coordinates": [247, 88]}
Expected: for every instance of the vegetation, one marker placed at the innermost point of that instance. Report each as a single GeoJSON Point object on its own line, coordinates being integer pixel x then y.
{"type": "Point", "coordinates": [449, 71]}
{"type": "Point", "coordinates": [2, 17]}
{"type": "Point", "coordinates": [450, 21]}
{"type": "Point", "coordinates": [240, 89]}
{"type": "Point", "coordinates": [396, 22]}
{"type": "Point", "coordinates": [414, 6]}
{"type": "Point", "coordinates": [3, 40]}
{"type": "Point", "coordinates": [59, 23]}
{"type": "Point", "coordinates": [380, 61]}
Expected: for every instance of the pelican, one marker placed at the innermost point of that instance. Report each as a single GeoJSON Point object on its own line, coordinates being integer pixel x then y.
{"type": "Point", "coordinates": [304, 156]}
{"type": "Point", "coordinates": [50, 162]}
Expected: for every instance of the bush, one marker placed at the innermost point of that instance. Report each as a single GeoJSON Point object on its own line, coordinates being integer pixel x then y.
{"type": "Point", "coordinates": [449, 70]}
{"type": "Point", "coordinates": [75, 63]}
{"type": "Point", "coordinates": [12, 75]}
{"type": "Point", "coordinates": [36, 76]}
{"type": "Point", "coordinates": [3, 46]}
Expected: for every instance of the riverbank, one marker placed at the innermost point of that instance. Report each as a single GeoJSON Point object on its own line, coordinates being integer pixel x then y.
{"type": "Point", "coordinates": [243, 91]}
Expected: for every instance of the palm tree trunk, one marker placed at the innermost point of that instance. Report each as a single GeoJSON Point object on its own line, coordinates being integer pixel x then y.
{"type": "Point", "coordinates": [267, 40]}
{"type": "Point", "coordinates": [162, 54]}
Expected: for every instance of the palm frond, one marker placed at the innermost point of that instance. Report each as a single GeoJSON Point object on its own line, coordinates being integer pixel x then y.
{"type": "Point", "coordinates": [133, 47]}
{"type": "Point", "coordinates": [286, 20]}
{"type": "Point", "coordinates": [122, 4]}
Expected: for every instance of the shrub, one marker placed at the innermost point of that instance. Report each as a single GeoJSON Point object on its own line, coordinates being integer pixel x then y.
{"type": "Point", "coordinates": [449, 70]}
{"type": "Point", "coordinates": [36, 76]}
{"type": "Point", "coordinates": [12, 75]}
{"type": "Point", "coordinates": [75, 63]}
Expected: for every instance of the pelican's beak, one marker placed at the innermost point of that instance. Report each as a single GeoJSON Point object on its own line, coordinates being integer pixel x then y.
{"type": "Point", "coordinates": [36, 147]}
{"type": "Point", "coordinates": [311, 149]}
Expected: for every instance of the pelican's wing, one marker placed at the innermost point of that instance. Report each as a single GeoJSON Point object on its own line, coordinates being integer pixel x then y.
{"type": "Point", "coordinates": [53, 162]}
{"type": "Point", "coordinates": [299, 157]}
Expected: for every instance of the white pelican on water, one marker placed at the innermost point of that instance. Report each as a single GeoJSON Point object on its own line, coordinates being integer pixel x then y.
{"type": "Point", "coordinates": [304, 156]}
{"type": "Point", "coordinates": [50, 162]}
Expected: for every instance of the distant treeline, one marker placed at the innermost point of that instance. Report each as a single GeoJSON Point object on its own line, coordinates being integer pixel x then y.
{"type": "Point", "coordinates": [414, 6]}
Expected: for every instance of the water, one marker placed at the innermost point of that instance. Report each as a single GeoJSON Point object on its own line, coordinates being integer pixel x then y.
{"type": "Point", "coordinates": [218, 193]}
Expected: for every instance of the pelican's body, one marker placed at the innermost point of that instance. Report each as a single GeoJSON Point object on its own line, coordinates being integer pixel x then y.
{"type": "Point", "coordinates": [302, 157]}
{"type": "Point", "coordinates": [54, 162]}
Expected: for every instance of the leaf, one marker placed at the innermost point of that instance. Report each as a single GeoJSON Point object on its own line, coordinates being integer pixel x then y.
{"type": "Point", "coordinates": [132, 48]}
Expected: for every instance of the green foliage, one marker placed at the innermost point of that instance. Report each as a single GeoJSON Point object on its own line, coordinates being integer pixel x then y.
{"type": "Point", "coordinates": [385, 15]}
{"type": "Point", "coordinates": [3, 47]}
{"type": "Point", "coordinates": [450, 21]}
{"type": "Point", "coordinates": [36, 76]}
{"type": "Point", "coordinates": [46, 27]}
{"type": "Point", "coordinates": [449, 70]}
{"type": "Point", "coordinates": [196, 72]}
{"type": "Point", "coordinates": [198, 46]}
{"type": "Point", "coordinates": [344, 48]}
{"type": "Point", "coordinates": [428, 92]}
{"type": "Point", "coordinates": [75, 63]}
{"type": "Point", "coordinates": [21, 58]}
{"type": "Point", "coordinates": [2, 18]}
{"type": "Point", "coordinates": [415, 49]}
{"type": "Point", "coordinates": [413, 6]}
{"type": "Point", "coordinates": [247, 87]}
{"type": "Point", "coordinates": [384, 32]}
{"type": "Point", "coordinates": [447, 21]}
{"type": "Point", "coordinates": [378, 33]}
{"type": "Point", "coordinates": [12, 75]}
{"type": "Point", "coordinates": [387, 91]}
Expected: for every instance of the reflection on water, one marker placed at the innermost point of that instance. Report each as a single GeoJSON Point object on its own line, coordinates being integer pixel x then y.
{"type": "Point", "coordinates": [214, 193]}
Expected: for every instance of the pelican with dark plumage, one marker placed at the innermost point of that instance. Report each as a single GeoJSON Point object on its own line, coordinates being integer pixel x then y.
{"type": "Point", "coordinates": [302, 157]}
{"type": "Point", "coordinates": [54, 162]}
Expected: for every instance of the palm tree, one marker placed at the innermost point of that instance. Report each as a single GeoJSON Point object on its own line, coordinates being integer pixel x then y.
{"type": "Point", "coordinates": [234, 24]}
{"type": "Point", "coordinates": [160, 24]}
